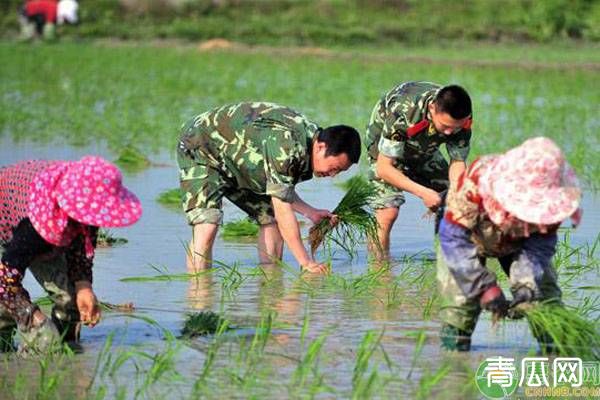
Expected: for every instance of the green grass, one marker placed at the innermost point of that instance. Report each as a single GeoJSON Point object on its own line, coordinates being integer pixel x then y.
{"type": "Point", "coordinates": [102, 94]}
{"type": "Point", "coordinates": [316, 22]}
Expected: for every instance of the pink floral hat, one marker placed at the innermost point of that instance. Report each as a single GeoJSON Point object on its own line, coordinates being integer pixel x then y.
{"type": "Point", "coordinates": [532, 182]}
{"type": "Point", "coordinates": [89, 191]}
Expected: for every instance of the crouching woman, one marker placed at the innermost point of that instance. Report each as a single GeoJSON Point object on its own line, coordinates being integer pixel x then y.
{"type": "Point", "coordinates": [50, 212]}
{"type": "Point", "coordinates": [509, 207]}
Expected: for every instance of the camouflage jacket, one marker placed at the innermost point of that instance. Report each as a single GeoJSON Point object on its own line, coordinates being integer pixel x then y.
{"type": "Point", "coordinates": [400, 127]}
{"type": "Point", "coordinates": [261, 147]}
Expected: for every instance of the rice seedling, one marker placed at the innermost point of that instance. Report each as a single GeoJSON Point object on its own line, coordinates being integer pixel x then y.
{"type": "Point", "coordinates": [201, 323]}
{"type": "Point", "coordinates": [356, 286]}
{"type": "Point", "coordinates": [231, 279]}
{"type": "Point", "coordinates": [170, 198]}
{"type": "Point", "coordinates": [164, 275]}
{"type": "Point", "coordinates": [242, 228]}
{"type": "Point", "coordinates": [430, 380]}
{"type": "Point", "coordinates": [565, 330]}
{"type": "Point", "coordinates": [132, 160]}
{"type": "Point", "coordinates": [356, 179]}
{"type": "Point", "coordinates": [420, 337]}
{"type": "Point", "coordinates": [363, 383]}
{"type": "Point", "coordinates": [309, 364]}
{"type": "Point", "coordinates": [107, 239]}
{"type": "Point", "coordinates": [355, 221]}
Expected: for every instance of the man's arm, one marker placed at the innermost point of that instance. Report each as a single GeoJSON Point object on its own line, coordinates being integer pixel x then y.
{"type": "Point", "coordinates": [388, 172]}
{"type": "Point", "coordinates": [305, 209]}
{"type": "Point", "coordinates": [290, 231]}
{"type": "Point", "coordinates": [457, 167]}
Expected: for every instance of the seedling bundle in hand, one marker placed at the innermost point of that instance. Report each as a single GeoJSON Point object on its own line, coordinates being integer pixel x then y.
{"type": "Point", "coordinates": [572, 334]}
{"type": "Point", "coordinates": [356, 222]}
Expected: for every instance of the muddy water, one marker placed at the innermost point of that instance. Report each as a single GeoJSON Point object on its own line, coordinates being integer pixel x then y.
{"type": "Point", "coordinates": [156, 244]}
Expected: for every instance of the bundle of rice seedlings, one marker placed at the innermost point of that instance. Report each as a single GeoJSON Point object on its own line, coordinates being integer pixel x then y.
{"type": "Point", "coordinates": [201, 323]}
{"type": "Point", "coordinates": [132, 160]}
{"type": "Point", "coordinates": [107, 239]}
{"type": "Point", "coordinates": [170, 198]}
{"type": "Point", "coordinates": [566, 330]}
{"type": "Point", "coordinates": [356, 222]}
{"type": "Point", "coordinates": [242, 228]}
{"type": "Point", "coordinates": [347, 184]}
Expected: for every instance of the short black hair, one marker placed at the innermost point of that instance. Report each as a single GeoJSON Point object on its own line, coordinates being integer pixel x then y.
{"type": "Point", "coordinates": [341, 139]}
{"type": "Point", "coordinates": [453, 100]}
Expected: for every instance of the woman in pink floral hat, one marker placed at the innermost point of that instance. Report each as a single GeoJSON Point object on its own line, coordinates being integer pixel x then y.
{"type": "Point", "coordinates": [50, 212]}
{"type": "Point", "coordinates": [506, 206]}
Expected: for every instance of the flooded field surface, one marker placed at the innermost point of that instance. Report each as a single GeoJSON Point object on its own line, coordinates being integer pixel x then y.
{"type": "Point", "coordinates": [358, 332]}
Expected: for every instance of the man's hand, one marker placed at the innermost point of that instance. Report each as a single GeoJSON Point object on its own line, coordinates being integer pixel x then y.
{"type": "Point", "coordinates": [316, 215]}
{"type": "Point", "coordinates": [87, 304]}
{"type": "Point", "coordinates": [431, 199]}
{"type": "Point", "coordinates": [493, 300]}
{"type": "Point", "coordinates": [315, 267]}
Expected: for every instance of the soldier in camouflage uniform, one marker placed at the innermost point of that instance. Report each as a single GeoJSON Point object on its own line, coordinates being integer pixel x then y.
{"type": "Point", "coordinates": [508, 207]}
{"type": "Point", "coordinates": [254, 153]}
{"type": "Point", "coordinates": [406, 129]}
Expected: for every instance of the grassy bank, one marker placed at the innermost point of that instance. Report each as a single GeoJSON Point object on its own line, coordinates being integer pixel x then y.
{"type": "Point", "coordinates": [332, 22]}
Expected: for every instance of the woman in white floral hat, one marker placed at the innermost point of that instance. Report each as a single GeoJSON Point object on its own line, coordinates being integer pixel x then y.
{"type": "Point", "coordinates": [506, 206]}
{"type": "Point", "coordinates": [50, 212]}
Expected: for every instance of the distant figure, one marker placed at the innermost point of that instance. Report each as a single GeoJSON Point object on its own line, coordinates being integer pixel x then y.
{"type": "Point", "coordinates": [508, 207]}
{"type": "Point", "coordinates": [39, 17]}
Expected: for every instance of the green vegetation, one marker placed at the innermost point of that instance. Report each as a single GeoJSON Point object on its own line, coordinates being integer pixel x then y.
{"type": "Point", "coordinates": [107, 239]}
{"type": "Point", "coordinates": [242, 228]}
{"type": "Point", "coordinates": [325, 22]}
{"type": "Point", "coordinates": [201, 323]}
{"type": "Point", "coordinates": [357, 179]}
{"type": "Point", "coordinates": [99, 98]}
{"type": "Point", "coordinates": [132, 160]}
{"type": "Point", "coordinates": [272, 358]}
{"type": "Point", "coordinates": [355, 222]}
{"type": "Point", "coordinates": [170, 198]}
{"type": "Point", "coordinates": [571, 334]}
{"type": "Point", "coordinates": [363, 333]}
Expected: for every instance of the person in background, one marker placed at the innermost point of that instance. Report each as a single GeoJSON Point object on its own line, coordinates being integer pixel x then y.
{"type": "Point", "coordinates": [254, 153]}
{"type": "Point", "coordinates": [50, 212]}
{"type": "Point", "coordinates": [40, 17]}
{"type": "Point", "coordinates": [509, 207]}
{"type": "Point", "coordinates": [407, 127]}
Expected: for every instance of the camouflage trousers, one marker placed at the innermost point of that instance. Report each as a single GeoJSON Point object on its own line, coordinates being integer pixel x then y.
{"type": "Point", "coordinates": [431, 173]}
{"type": "Point", "coordinates": [203, 188]}
{"type": "Point", "coordinates": [462, 313]}
{"type": "Point", "coordinates": [53, 277]}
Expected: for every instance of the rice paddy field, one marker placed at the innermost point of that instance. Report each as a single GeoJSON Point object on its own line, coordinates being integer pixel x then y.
{"type": "Point", "coordinates": [360, 332]}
